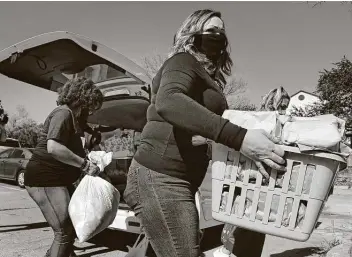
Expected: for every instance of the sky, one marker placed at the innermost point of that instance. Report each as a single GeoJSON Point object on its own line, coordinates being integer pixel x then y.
{"type": "Point", "coordinates": [272, 43]}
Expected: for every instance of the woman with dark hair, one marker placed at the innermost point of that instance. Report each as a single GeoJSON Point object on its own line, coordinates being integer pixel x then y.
{"type": "Point", "coordinates": [59, 159]}
{"type": "Point", "coordinates": [187, 100]}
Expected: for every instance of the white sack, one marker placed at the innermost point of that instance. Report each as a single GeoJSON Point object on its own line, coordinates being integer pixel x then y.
{"type": "Point", "coordinates": [93, 207]}
{"type": "Point", "coordinates": [100, 158]}
{"type": "Point", "coordinates": [94, 203]}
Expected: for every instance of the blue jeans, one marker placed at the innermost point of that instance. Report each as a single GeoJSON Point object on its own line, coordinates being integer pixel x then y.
{"type": "Point", "coordinates": [53, 202]}
{"type": "Point", "coordinates": [167, 211]}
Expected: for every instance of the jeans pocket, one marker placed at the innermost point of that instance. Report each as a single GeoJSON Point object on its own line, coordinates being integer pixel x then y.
{"type": "Point", "coordinates": [131, 193]}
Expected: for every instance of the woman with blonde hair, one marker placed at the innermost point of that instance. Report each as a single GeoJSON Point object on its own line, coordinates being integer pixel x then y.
{"type": "Point", "coordinates": [276, 100]}
{"type": "Point", "coordinates": [187, 100]}
{"type": "Point", "coordinates": [240, 241]}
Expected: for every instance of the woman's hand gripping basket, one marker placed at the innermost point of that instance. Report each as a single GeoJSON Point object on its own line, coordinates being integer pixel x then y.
{"type": "Point", "coordinates": [287, 206]}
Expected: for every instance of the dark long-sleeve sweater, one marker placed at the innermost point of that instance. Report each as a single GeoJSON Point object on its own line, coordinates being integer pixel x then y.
{"type": "Point", "coordinates": [185, 102]}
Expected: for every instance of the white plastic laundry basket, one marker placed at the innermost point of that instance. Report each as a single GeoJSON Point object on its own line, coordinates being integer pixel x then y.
{"type": "Point", "coordinates": [226, 187]}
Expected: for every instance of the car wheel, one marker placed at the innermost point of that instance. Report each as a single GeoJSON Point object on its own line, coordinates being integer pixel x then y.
{"type": "Point", "coordinates": [20, 179]}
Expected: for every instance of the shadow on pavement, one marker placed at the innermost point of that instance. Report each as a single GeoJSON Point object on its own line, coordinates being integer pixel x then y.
{"type": "Point", "coordinates": [318, 224]}
{"type": "Point", "coordinates": [118, 240]}
{"type": "Point", "coordinates": [76, 248]}
{"type": "Point", "coordinates": [114, 240]}
{"type": "Point", "coordinates": [94, 253]}
{"type": "Point", "coordinates": [302, 252]}
{"type": "Point", "coordinates": [211, 238]}
{"type": "Point", "coordinates": [91, 247]}
{"type": "Point", "coordinates": [23, 227]}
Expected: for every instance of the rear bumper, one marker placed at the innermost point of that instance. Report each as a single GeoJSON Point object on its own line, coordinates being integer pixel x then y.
{"type": "Point", "coordinates": [125, 219]}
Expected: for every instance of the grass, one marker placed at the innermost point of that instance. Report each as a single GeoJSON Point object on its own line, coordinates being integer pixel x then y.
{"type": "Point", "coordinates": [327, 246]}
{"type": "Point", "coordinates": [344, 178]}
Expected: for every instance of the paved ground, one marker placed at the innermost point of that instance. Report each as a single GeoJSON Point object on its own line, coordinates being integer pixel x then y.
{"type": "Point", "coordinates": [24, 232]}
{"type": "Point", "coordinates": [335, 223]}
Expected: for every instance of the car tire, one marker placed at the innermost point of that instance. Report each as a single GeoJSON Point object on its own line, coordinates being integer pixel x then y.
{"type": "Point", "coordinates": [20, 179]}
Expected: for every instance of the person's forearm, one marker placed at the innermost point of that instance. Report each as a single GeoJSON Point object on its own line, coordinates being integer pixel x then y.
{"type": "Point", "coordinates": [181, 111]}
{"type": "Point", "coordinates": [180, 79]}
{"type": "Point", "coordinates": [63, 154]}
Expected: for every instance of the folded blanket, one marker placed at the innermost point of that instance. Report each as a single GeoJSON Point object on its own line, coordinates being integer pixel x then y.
{"type": "Point", "coordinates": [319, 132]}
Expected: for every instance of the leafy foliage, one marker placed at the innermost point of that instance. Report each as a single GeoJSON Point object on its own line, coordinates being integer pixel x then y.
{"type": "Point", "coordinates": [3, 115]}
{"type": "Point", "coordinates": [118, 140]}
{"type": "Point", "coordinates": [334, 89]}
{"type": "Point", "coordinates": [23, 128]}
{"type": "Point", "coordinates": [308, 111]}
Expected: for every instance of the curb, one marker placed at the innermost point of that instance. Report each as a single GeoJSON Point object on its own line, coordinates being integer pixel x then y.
{"type": "Point", "coordinates": [342, 187]}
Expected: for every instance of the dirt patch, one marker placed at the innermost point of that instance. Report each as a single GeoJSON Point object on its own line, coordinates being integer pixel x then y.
{"type": "Point", "coordinates": [344, 178]}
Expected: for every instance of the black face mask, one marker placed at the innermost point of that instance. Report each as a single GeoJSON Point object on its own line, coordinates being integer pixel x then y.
{"type": "Point", "coordinates": [83, 117]}
{"type": "Point", "coordinates": [212, 45]}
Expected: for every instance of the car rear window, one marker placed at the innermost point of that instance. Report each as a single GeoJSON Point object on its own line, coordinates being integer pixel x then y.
{"type": "Point", "coordinates": [17, 153]}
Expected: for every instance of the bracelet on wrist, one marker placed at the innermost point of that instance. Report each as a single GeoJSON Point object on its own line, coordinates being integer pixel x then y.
{"type": "Point", "coordinates": [84, 165]}
{"type": "Point", "coordinates": [208, 141]}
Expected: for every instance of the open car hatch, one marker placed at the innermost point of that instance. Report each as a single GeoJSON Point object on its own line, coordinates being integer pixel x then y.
{"type": "Point", "coordinates": [49, 60]}
{"type": "Point", "coordinates": [53, 57]}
